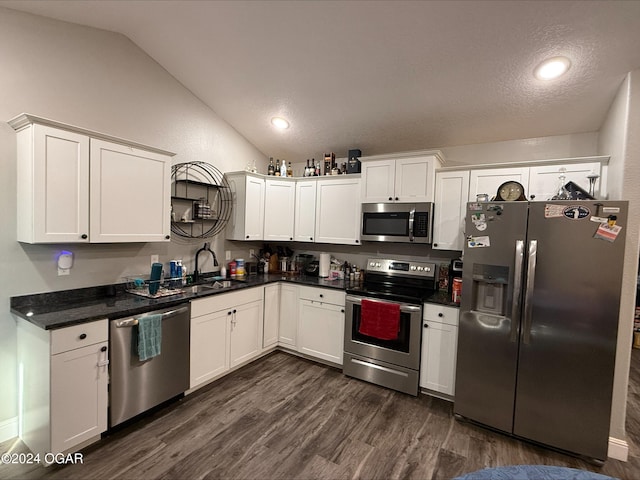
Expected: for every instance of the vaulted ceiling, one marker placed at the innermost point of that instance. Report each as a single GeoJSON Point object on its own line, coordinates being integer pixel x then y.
{"type": "Point", "coordinates": [382, 76]}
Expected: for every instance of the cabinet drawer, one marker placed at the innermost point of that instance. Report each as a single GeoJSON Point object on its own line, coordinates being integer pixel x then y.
{"type": "Point", "coordinates": [218, 302]}
{"type": "Point", "coordinates": [325, 295]}
{"type": "Point", "coordinates": [77, 336]}
{"type": "Point", "coordinates": [439, 313]}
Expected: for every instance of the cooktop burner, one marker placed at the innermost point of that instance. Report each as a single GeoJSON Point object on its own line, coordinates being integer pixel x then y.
{"type": "Point", "coordinates": [397, 280]}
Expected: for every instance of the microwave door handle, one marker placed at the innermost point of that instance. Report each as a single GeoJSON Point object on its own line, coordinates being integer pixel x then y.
{"type": "Point", "coordinates": [411, 217]}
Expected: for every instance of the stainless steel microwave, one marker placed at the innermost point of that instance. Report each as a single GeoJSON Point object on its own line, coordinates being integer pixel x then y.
{"type": "Point", "coordinates": [397, 222]}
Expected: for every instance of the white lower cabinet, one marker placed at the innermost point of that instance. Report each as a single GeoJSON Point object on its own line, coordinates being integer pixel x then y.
{"type": "Point", "coordinates": [245, 332]}
{"type": "Point", "coordinates": [439, 348]}
{"type": "Point", "coordinates": [208, 353]}
{"type": "Point", "coordinates": [65, 378]}
{"type": "Point", "coordinates": [288, 332]}
{"type": "Point", "coordinates": [226, 331]}
{"type": "Point", "coordinates": [321, 323]}
{"type": "Point", "coordinates": [271, 315]}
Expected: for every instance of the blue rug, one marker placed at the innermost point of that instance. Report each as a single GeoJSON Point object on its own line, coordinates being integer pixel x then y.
{"type": "Point", "coordinates": [533, 472]}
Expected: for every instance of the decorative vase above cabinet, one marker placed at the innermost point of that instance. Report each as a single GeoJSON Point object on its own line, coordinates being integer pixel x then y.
{"type": "Point", "coordinates": [79, 186]}
{"type": "Point", "coordinates": [200, 200]}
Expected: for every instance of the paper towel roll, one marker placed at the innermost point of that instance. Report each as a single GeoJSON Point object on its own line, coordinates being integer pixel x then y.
{"type": "Point", "coordinates": [325, 261]}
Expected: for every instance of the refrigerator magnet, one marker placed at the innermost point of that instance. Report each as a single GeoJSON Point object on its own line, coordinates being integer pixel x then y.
{"type": "Point", "coordinates": [553, 211]}
{"type": "Point", "coordinates": [478, 242]}
{"type": "Point", "coordinates": [576, 212]}
{"type": "Point", "coordinates": [608, 232]}
{"type": "Point", "coordinates": [479, 221]}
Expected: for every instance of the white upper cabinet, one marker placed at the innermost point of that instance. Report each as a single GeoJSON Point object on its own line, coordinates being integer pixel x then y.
{"type": "Point", "coordinates": [338, 210]}
{"type": "Point", "coordinates": [407, 179]}
{"type": "Point", "coordinates": [279, 204]}
{"type": "Point", "coordinates": [544, 181]}
{"type": "Point", "coordinates": [75, 185]}
{"type": "Point", "coordinates": [305, 211]}
{"type": "Point", "coordinates": [247, 214]}
{"type": "Point", "coordinates": [52, 185]}
{"type": "Point", "coordinates": [452, 189]}
{"type": "Point", "coordinates": [130, 194]}
{"type": "Point", "coordinates": [488, 180]}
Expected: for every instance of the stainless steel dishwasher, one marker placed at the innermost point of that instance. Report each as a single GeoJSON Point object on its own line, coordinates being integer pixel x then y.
{"type": "Point", "coordinates": [137, 386]}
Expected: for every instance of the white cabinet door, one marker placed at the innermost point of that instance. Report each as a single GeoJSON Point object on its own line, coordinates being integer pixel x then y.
{"type": "Point", "coordinates": [247, 213]}
{"type": "Point", "coordinates": [288, 331]}
{"type": "Point", "coordinates": [130, 194]}
{"type": "Point", "coordinates": [321, 330]}
{"type": "Point", "coordinates": [271, 315]}
{"type": "Point", "coordinates": [414, 179]}
{"type": "Point", "coordinates": [488, 180]}
{"type": "Point", "coordinates": [452, 190]}
{"type": "Point", "coordinates": [544, 181]}
{"type": "Point", "coordinates": [245, 332]}
{"type": "Point", "coordinates": [279, 202]}
{"type": "Point", "coordinates": [52, 185]}
{"type": "Point", "coordinates": [79, 380]}
{"type": "Point", "coordinates": [209, 352]}
{"type": "Point", "coordinates": [305, 211]}
{"type": "Point", "coordinates": [338, 211]}
{"type": "Point", "coordinates": [438, 360]}
{"type": "Point", "coordinates": [378, 181]}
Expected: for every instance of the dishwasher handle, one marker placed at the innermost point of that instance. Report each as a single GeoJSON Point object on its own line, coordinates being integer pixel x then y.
{"type": "Point", "coordinates": [130, 322]}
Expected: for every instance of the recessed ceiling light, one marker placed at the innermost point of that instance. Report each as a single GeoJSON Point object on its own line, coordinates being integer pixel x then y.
{"type": "Point", "coordinates": [552, 68]}
{"type": "Point", "coordinates": [279, 122]}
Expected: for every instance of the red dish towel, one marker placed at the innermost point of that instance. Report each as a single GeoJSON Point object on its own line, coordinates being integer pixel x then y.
{"type": "Point", "coordinates": [379, 320]}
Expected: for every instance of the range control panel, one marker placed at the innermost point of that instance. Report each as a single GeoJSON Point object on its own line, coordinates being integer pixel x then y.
{"type": "Point", "coordinates": [401, 267]}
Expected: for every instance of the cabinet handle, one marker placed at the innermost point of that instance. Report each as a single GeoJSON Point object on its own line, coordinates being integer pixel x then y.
{"type": "Point", "coordinates": [396, 199]}
{"type": "Point", "coordinates": [82, 336]}
{"type": "Point", "coordinates": [247, 236]}
{"type": "Point", "coordinates": [167, 237]}
{"type": "Point", "coordinates": [290, 238]}
{"type": "Point", "coordinates": [234, 310]}
{"type": "Point", "coordinates": [342, 310]}
{"type": "Point", "coordinates": [441, 314]}
{"type": "Point", "coordinates": [426, 325]}
{"type": "Point", "coordinates": [435, 244]}
{"type": "Point", "coordinates": [310, 238]}
{"type": "Point", "coordinates": [83, 236]}
{"type": "Point", "coordinates": [229, 312]}
{"type": "Point", "coordinates": [321, 295]}
{"type": "Point", "coordinates": [390, 198]}
{"type": "Point", "coordinates": [103, 349]}
{"type": "Point", "coordinates": [357, 241]}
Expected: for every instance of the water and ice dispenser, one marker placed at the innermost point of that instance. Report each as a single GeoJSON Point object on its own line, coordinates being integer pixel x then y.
{"type": "Point", "coordinates": [490, 284]}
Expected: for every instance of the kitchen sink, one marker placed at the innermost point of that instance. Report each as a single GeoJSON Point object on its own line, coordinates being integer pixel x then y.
{"type": "Point", "coordinates": [207, 287]}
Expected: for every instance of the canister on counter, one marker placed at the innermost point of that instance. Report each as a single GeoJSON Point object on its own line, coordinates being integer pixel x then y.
{"type": "Point", "coordinates": [240, 270]}
{"type": "Point", "coordinates": [456, 290]}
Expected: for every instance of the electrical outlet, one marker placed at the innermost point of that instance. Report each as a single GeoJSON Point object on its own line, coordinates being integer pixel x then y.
{"type": "Point", "coordinates": [252, 252]}
{"type": "Point", "coordinates": [227, 254]}
{"type": "Point", "coordinates": [63, 271]}
{"type": "Point", "coordinates": [154, 259]}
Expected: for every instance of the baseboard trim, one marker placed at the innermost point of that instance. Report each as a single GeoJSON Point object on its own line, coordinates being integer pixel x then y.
{"type": "Point", "coordinates": [618, 449]}
{"type": "Point", "coordinates": [8, 429]}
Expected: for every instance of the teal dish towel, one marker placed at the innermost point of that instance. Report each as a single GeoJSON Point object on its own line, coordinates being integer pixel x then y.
{"type": "Point", "coordinates": [149, 336]}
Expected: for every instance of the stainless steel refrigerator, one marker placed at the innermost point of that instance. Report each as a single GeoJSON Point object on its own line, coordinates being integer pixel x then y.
{"type": "Point", "coordinates": [539, 320]}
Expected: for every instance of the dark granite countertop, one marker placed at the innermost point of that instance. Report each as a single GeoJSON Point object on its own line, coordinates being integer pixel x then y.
{"type": "Point", "coordinates": [70, 307]}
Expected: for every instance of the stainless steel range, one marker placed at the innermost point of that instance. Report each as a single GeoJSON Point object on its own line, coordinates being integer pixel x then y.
{"type": "Point", "coordinates": [383, 323]}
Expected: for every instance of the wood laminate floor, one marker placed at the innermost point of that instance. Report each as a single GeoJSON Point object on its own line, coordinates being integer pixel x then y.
{"type": "Point", "coordinates": [283, 417]}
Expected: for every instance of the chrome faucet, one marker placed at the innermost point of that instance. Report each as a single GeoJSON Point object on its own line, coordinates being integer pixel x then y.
{"type": "Point", "coordinates": [206, 248]}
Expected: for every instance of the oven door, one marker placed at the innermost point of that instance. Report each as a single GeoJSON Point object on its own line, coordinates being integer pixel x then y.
{"type": "Point", "coordinates": [403, 352]}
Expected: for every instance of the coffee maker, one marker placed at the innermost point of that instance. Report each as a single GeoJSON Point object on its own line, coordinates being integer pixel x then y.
{"type": "Point", "coordinates": [455, 271]}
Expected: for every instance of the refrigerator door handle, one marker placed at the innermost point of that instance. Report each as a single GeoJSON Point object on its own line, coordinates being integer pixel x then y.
{"type": "Point", "coordinates": [528, 294]}
{"type": "Point", "coordinates": [517, 289]}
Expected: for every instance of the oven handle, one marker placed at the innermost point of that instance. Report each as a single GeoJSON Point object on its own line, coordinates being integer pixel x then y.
{"type": "Point", "coordinates": [403, 306]}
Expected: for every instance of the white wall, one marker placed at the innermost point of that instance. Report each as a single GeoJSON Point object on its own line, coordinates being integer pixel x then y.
{"type": "Point", "coordinates": [101, 81]}
{"type": "Point", "coordinates": [620, 138]}
{"type": "Point", "coordinates": [523, 150]}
